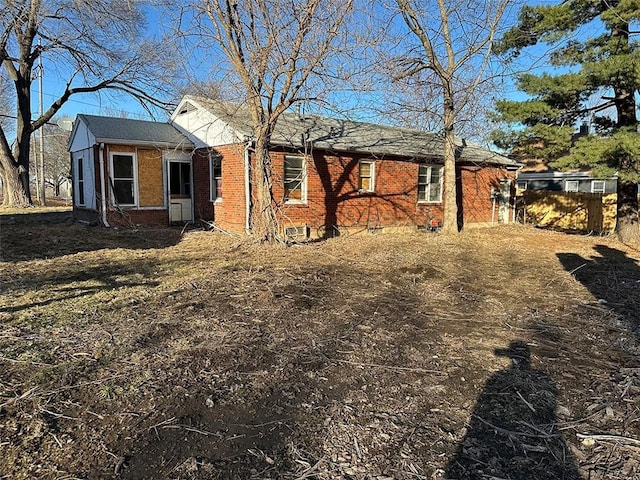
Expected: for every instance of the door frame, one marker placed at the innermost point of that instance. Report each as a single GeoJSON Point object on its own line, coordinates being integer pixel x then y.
{"type": "Point", "coordinates": [183, 204]}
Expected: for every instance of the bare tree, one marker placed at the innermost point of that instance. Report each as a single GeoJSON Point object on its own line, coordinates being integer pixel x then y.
{"type": "Point", "coordinates": [277, 51]}
{"type": "Point", "coordinates": [92, 45]}
{"type": "Point", "coordinates": [451, 50]}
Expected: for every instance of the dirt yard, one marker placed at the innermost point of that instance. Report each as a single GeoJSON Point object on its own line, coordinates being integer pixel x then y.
{"type": "Point", "coordinates": [505, 353]}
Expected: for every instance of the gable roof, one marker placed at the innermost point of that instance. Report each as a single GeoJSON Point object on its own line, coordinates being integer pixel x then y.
{"type": "Point", "coordinates": [128, 131]}
{"type": "Point", "coordinates": [293, 130]}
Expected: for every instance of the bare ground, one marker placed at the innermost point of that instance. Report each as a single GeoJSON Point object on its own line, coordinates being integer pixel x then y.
{"type": "Point", "coordinates": [506, 353]}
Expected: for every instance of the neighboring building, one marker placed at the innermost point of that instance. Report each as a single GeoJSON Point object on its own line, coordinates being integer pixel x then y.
{"type": "Point", "coordinates": [329, 174]}
{"type": "Point", "coordinates": [564, 182]}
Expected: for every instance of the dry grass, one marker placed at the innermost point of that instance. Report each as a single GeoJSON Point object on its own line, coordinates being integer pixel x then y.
{"type": "Point", "coordinates": [151, 354]}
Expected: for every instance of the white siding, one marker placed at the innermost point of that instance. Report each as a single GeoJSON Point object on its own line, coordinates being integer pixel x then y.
{"type": "Point", "coordinates": [81, 137]}
{"type": "Point", "coordinates": [86, 157]}
{"type": "Point", "coordinates": [203, 128]}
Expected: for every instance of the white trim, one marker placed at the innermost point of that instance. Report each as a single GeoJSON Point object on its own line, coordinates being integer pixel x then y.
{"type": "Point", "coordinates": [593, 186]}
{"type": "Point", "coordinates": [79, 162]}
{"type": "Point", "coordinates": [212, 194]}
{"type": "Point", "coordinates": [428, 184]}
{"type": "Point", "coordinates": [372, 176]}
{"type": "Point", "coordinates": [303, 181]}
{"type": "Point", "coordinates": [567, 183]}
{"type": "Point", "coordinates": [112, 179]}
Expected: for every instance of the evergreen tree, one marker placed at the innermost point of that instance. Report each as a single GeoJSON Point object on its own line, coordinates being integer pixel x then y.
{"type": "Point", "coordinates": [598, 63]}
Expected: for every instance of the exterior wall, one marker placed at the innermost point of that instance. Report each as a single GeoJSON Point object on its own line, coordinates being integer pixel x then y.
{"type": "Point", "coordinates": [150, 178]}
{"type": "Point", "coordinates": [333, 198]}
{"type": "Point", "coordinates": [476, 184]}
{"type": "Point", "coordinates": [147, 217]}
{"type": "Point", "coordinates": [229, 212]}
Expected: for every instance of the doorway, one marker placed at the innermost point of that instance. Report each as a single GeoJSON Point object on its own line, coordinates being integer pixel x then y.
{"type": "Point", "coordinates": [180, 192]}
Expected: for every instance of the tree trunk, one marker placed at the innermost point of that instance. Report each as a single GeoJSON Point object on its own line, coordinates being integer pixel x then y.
{"type": "Point", "coordinates": [13, 182]}
{"type": "Point", "coordinates": [627, 205]}
{"type": "Point", "coordinates": [450, 220]}
{"type": "Point", "coordinates": [265, 222]}
{"type": "Point", "coordinates": [627, 218]}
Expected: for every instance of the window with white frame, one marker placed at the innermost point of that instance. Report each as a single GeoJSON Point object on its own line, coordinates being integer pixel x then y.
{"type": "Point", "coordinates": [124, 179]}
{"type": "Point", "coordinates": [571, 185]}
{"type": "Point", "coordinates": [295, 179]}
{"type": "Point", "coordinates": [215, 177]}
{"type": "Point", "coordinates": [597, 186]}
{"type": "Point", "coordinates": [366, 176]}
{"type": "Point", "coordinates": [522, 185]}
{"type": "Point", "coordinates": [429, 183]}
{"type": "Point", "coordinates": [80, 180]}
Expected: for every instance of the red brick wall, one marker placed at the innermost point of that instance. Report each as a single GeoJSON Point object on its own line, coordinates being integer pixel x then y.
{"type": "Point", "coordinates": [333, 197]}
{"type": "Point", "coordinates": [129, 217]}
{"type": "Point", "coordinates": [477, 183]}
{"type": "Point", "coordinates": [228, 213]}
{"type": "Point", "coordinates": [202, 206]}
{"type": "Point", "coordinates": [332, 192]}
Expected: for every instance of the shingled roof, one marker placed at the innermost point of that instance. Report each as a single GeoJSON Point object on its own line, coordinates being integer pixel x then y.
{"type": "Point", "coordinates": [141, 132]}
{"type": "Point", "coordinates": [293, 130]}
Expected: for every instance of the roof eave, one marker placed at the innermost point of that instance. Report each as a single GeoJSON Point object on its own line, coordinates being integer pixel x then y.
{"type": "Point", "coordinates": [146, 143]}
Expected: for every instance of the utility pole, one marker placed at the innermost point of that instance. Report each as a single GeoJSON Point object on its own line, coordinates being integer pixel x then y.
{"type": "Point", "coordinates": [41, 187]}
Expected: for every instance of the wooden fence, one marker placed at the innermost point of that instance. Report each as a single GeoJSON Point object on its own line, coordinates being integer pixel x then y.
{"type": "Point", "coordinates": [589, 212]}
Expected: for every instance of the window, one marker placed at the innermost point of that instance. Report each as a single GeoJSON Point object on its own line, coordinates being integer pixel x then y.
{"type": "Point", "coordinates": [123, 171]}
{"type": "Point", "coordinates": [429, 183]}
{"type": "Point", "coordinates": [366, 178]}
{"type": "Point", "coordinates": [180, 179]}
{"type": "Point", "coordinates": [521, 185]}
{"type": "Point", "coordinates": [597, 186]}
{"type": "Point", "coordinates": [571, 185]}
{"type": "Point", "coordinates": [80, 176]}
{"type": "Point", "coordinates": [215, 177]}
{"type": "Point", "coordinates": [295, 180]}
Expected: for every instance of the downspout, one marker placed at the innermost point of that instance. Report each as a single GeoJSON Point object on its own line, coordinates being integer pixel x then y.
{"type": "Point", "coordinates": [247, 188]}
{"type": "Point", "coordinates": [103, 197]}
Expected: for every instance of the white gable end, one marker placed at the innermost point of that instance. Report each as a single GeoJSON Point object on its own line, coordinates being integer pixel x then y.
{"type": "Point", "coordinates": [81, 137]}
{"type": "Point", "coordinates": [201, 126]}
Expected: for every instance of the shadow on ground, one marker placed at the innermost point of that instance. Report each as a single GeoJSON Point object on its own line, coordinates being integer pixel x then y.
{"type": "Point", "coordinates": [613, 278]}
{"type": "Point", "coordinates": [512, 431]}
{"type": "Point", "coordinates": [45, 235]}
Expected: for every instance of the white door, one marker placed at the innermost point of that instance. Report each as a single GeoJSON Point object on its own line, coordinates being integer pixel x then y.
{"type": "Point", "coordinates": [180, 192]}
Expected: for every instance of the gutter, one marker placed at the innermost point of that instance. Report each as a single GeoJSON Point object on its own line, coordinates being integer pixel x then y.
{"type": "Point", "coordinates": [103, 197]}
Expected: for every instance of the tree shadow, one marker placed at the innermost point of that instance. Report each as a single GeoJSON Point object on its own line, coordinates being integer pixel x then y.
{"type": "Point", "coordinates": [612, 277]}
{"type": "Point", "coordinates": [34, 236]}
{"type": "Point", "coordinates": [512, 432]}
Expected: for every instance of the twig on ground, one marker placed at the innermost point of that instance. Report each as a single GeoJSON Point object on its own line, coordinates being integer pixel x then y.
{"type": "Point", "coordinates": [610, 438]}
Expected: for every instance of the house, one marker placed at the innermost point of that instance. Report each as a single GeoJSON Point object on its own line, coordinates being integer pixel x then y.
{"type": "Point", "coordinates": [122, 169]}
{"type": "Point", "coordinates": [330, 175]}
{"type": "Point", "coordinates": [550, 180]}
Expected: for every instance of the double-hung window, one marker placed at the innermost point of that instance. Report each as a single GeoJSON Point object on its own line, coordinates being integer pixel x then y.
{"type": "Point", "coordinates": [215, 176]}
{"type": "Point", "coordinates": [366, 174]}
{"type": "Point", "coordinates": [571, 185]}
{"type": "Point", "coordinates": [429, 183]}
{"type": "Point", "coordinates": [295, 179]}
{"type": "Point", "coordinates": [123, 177]}
{"type": "Point", "coordinates": [597, 186]}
